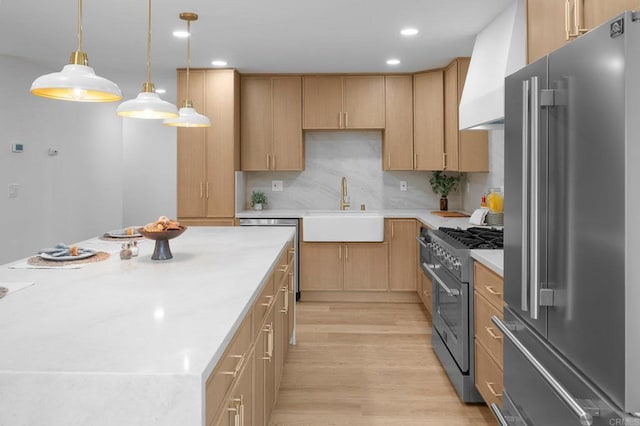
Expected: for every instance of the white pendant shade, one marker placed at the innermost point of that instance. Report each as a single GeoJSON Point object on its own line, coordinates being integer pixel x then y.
{"type": "Point", "coordinates": [147, 105]}
{"type": "Point", "coordinates": [76, 83]}
{"type": "Point", "coordinates": [189, 117]}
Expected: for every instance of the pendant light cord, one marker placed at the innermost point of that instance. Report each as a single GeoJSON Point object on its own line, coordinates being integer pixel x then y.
{"type": "Point", "coordinates": [149, 42]}
{"type": "Point", "coordinates": [188, 57]}
{"type": "Point", "coordinates": [79, 25]}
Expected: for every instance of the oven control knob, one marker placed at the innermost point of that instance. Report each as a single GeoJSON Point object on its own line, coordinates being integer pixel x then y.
{"type": "Point", "coordinates": [456, 264]}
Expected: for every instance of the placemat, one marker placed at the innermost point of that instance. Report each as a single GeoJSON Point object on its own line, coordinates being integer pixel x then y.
{"type": "Point", "coordinates": [38, 261]}
{"type": "Point", "coordinates": [449, 214]}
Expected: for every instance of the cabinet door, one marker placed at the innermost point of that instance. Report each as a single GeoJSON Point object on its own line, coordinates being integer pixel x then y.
{"type": "Point", "coordinates": [397, 148]}
{"type": "Point", "coordinates": [365, 266]}
{"type": "Point", "coordinates": [191, 177]}
{"type": "Point", "coordinates": [428, 120]}
{"type": "Point", "coordinates": [321, 266]}
{"type": "Point", "coordinates": [223, 89]}
{"type": "Point", "coordinates": [596, 12]}
{"type": "Point", "coordinates": [240, 406]}
{"type": "Point", "coordinates": [322, 107]}
{"type": "Point", "coordinates": [401, 234]}
{"type": "Point", "coordinates": [287, 152]}
{"type": "Point", "coordinates": [256, 122]}
{"type": "Point", "coordinates": [545, 27]}
{"type": "Point", "coordinates": [451, 102]}
{"type": "Point", "coordinates": [270, 368]}
{"type": "Point", "coordinates": [260, 363]}
{"type": "Point", "coordinates": [280, 332]}
{"type": "Point", "coordinates": [363, 102]}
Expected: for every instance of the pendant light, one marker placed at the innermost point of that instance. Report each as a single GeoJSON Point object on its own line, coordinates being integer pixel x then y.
{"type": "Point", "coordinates": [77, 81]}
{"type": "Point", "coordinates": [148, 103]}
{"type": "Point", "coordinates": [189, 117]}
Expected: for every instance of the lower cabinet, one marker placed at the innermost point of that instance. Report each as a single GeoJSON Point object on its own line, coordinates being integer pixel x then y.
{"type": "Point", "coordinates": [488, 301]}
{"type": "Point", "coordinates": [343, 266]}
{"type": "Point", "coordinates": [243, 388]}
{"type": "Point", "coordinates": [403, 253]}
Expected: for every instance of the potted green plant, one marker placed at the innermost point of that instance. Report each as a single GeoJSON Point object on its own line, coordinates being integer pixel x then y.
{"type": "Point", "coordinates": [258, 200]}
{"type": "Point", "coordinates": [443, 184]}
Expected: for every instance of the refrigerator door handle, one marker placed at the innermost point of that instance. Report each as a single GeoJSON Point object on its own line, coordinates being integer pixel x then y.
{"type": "Point", "coordinates": [498, 414]}
{"type": "Point", "coordinates": [585, 418]}
{"type": "Point", "coordinates": [525, 197]}
{"type": "Point", "coordinates": [535, 198]}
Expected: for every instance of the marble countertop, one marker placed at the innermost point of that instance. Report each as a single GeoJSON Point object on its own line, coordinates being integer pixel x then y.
{"type": "Point", "coordinates": [491, 258]}
{"type": "Point", "coordinates": [129, 341]}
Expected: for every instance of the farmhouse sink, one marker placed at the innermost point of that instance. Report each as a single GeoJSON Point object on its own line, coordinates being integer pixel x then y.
{"type": "Point", "coordinates": [342, 225]}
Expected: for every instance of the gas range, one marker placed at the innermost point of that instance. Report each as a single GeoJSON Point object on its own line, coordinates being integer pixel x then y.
{"type": "Point", "coordinates": [452, 246]}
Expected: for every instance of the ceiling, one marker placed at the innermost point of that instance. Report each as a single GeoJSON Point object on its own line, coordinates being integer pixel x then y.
{"type": "Point", "coordinates": [297, 36]}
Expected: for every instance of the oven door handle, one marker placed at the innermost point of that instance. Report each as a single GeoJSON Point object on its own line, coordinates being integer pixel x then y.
{"type": "Point", "coordinates": [422, 241]}
{"type": "Point", "coordinates": [428, 267]}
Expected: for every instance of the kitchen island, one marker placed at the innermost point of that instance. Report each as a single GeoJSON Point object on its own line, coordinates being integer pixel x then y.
{"type": "Point", "coordinates": [129, 342]}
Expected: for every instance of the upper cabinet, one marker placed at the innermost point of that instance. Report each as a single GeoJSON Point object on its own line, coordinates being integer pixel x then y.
{"type": "Point", "coordinates": [209, 157]}
{"type": "Point", "coordinates": [552, 23]}
{"type": "Point", "coordinates": [272, 123]}
{"type": "Point", "coordinates": [397, 145]}
{"type": "Point", "coordinates": [464, 150]}
{"type": "Point", "coordinates": [343, 102]}
{"type": "Point", "coordinates": [428, 120]}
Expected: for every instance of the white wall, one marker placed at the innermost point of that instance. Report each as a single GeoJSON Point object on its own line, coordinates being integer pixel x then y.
{"type": "Point", "coordinates": [72, 196]}
{"type": "Point", "coordinates": [357, 155]}
{"type": "Point", "coordinates": [150, 168]}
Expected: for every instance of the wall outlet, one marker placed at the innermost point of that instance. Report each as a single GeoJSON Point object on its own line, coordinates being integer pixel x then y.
{"type": "Point", "coordinates": [276, 186]}
{"type": "Point", "coordinates": [403, 185]}
{"type": "Point", "coordinates": [468, 187]}
{"type": "Point", "coordinates": [13, 190]}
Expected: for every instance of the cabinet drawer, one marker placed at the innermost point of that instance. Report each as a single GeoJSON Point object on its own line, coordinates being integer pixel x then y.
{"type": "Point", "coordinates": [489, 284]}
{"type": "Point", "coordinates": [228, 368]}
{"type": "Point", "coordinates": [489, 379]}
{"type": "Point", "coordinates": [263, 304]}
{"type": "Point", "coordinates": [487, 333]}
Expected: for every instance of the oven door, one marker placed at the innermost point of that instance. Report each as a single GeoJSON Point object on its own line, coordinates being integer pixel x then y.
{"type": "Point", "coordinates": [450, 311]}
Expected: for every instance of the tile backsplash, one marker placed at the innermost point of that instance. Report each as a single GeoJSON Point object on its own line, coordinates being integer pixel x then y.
{"type": "Point", "coordinates": [356, 155]}
{"type": "Point", "coordinates": [479, 183]}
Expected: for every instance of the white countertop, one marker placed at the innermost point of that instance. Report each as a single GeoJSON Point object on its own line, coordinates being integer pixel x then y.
{"type": "Point", "coordinates": [493, 259]}
{"type": "Point", "coordinates": [129, 342]}
{"type": "Point", "coordinates": [425, 216]}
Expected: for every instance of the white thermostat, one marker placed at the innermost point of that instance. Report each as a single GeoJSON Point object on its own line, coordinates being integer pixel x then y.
{"type": "Point", "coordinates": [17, 147]}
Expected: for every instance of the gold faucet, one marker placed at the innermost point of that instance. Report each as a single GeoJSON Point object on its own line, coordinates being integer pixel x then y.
{"type": "Point", "coordinates": [344, 196]}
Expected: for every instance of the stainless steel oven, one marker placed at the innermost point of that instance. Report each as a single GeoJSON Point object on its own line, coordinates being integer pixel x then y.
{"type": "Point", "coordinates": [445, 258]}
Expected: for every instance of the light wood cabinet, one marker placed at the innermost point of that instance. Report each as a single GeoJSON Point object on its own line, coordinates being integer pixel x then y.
{"type": "Point", "coordinates": [272, 123]}
{"type": "Point", "coordinates": [343, 102]}
{"type": "Point", "coordinates": [465, 150]}
{"type": "Point", "coordinates": [488, 301]}
{"type": "Point", "coordinates": [403, 253]}
{"type": "Point", "coordinates": [428, 120]}
{"type": "Point", "coordinates": [343, 266]}
{"type": "Point", "coordinates": [552, 23]}
{"type": "Point", "coordinates": [208, 158]}
{"type": "Point", "coordinates": [243, 387]}
{"type": "Point", "coordinates": [397, 144]}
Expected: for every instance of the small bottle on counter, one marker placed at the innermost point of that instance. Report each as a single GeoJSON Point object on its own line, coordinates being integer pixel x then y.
{"type": "Point", "coordinates": [135, 250]}
{"type": "Point", "coordinates": [125, 253]}
{"type": "Point", "coordinates": [483, 201]}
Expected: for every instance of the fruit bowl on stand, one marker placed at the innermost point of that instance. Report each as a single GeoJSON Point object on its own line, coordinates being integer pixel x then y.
{"type": "Point", "coordinates": [162, 250]}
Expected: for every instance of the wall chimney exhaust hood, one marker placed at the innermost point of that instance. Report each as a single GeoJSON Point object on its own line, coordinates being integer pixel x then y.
{"type": "Point", "coordinates": [499, 50]}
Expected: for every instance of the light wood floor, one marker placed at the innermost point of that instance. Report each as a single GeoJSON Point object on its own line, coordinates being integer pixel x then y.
{"type": "Point", "coordinates": [368, 364]}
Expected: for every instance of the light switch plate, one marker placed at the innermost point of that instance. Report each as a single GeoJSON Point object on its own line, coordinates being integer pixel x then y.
{"type": "Point", "coordinates": [13, 190]}
{"type": "Point", "coordinates": [403, 185]}
{"type": "Point", "coordinates": [276, 186]}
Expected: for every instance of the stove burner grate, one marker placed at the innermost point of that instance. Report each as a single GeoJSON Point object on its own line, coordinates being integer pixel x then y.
{"type": "Point", "coordinates": [477, 238]}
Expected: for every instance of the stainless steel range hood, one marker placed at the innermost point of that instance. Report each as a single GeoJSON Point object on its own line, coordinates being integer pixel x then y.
{"type": "Point", "coordinates": [499, 50]}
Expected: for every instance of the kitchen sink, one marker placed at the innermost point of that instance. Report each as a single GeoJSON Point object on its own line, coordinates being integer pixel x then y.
{"type": "Point", "coordinates": [343, 225]}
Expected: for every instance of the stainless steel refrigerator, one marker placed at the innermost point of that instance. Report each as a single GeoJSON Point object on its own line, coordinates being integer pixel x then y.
{"type": "Point", "coordinates": [571, 327]}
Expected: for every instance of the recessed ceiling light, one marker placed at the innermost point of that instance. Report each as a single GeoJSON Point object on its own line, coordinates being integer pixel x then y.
{"type": "Point", "coordinates": [161, 91]}
{"type": "Point", "coordinates": [181, 34]}
{"type": "Point", "coordinates": [409, 31]}
{"type": "Point", "coordinates": [393, 62]}
{"type": "Point", "coordinates": [218, 63]}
